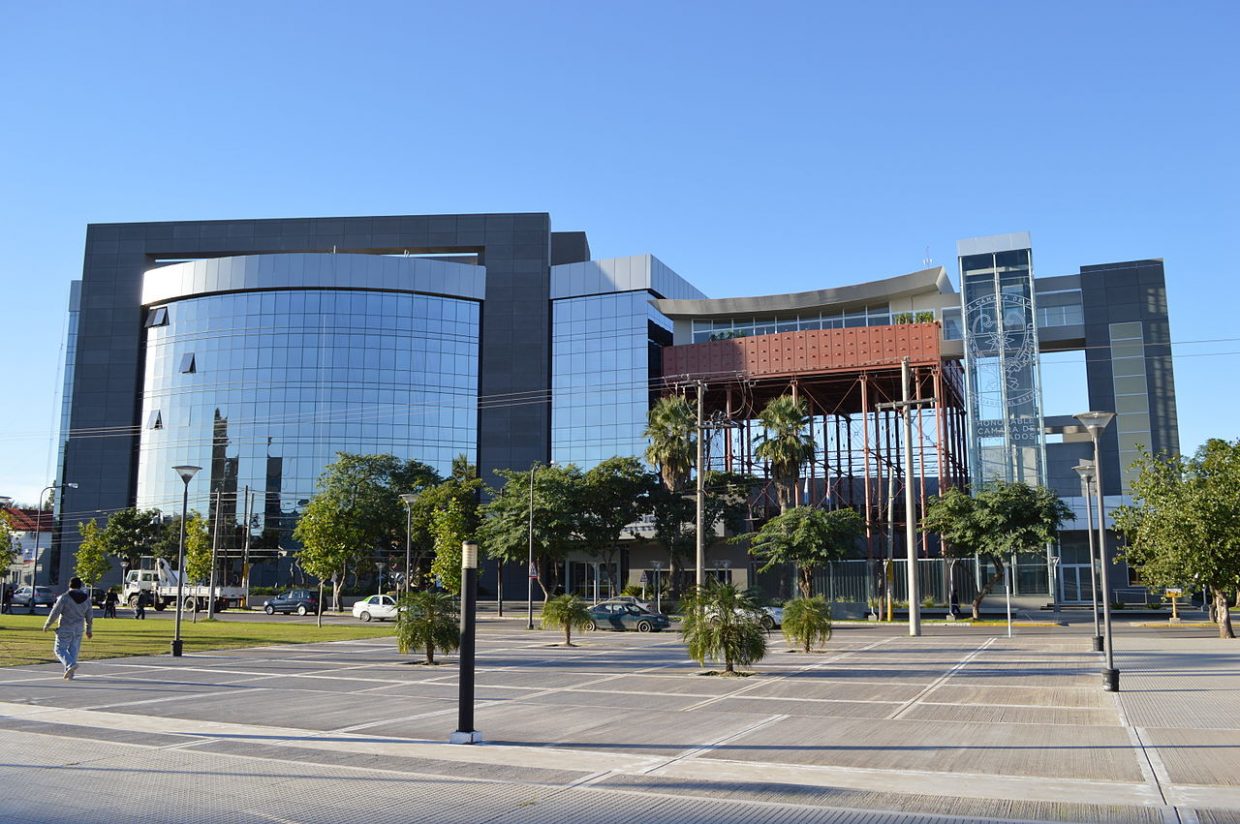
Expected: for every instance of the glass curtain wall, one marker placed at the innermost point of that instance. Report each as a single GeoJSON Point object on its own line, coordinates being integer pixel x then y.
{"type": "Point", "coordinates": [1001, 359]}
{"type": "Point", "coordinates": [262, 389]}
{"type": "Point", "coordinates": [605, 351]}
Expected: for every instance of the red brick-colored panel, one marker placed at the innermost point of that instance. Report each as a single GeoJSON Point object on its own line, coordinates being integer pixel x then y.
{"type": "Point", "coordinates": [799, 353]}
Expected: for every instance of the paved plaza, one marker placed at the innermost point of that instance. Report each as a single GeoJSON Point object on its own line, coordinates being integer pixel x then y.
{"type": "Point", "coordinates": [959, 725]}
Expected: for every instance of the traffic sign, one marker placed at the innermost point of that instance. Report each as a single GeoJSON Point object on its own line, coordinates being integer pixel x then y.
{"type": "Point", "coordinates": [533, 572]}
{"type": "Point", "coordinates": [644, 579]}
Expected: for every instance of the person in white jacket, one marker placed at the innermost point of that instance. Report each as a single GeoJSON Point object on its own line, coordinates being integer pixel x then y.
{"type": "Point", "coordinates": [74, 611]}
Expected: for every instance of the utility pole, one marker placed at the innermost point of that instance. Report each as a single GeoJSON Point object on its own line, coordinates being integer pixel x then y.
{"type": "Point", "coordinates": [701, 489]}
{"type": "Point", "coordinates": [905, 407]}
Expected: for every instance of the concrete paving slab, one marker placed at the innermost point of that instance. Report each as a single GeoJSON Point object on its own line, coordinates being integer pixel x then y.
{"type": "Point", "coordinates": [981, 749]}
{"type": "Point", "coordinates": [809, 709]}
{"type": "Point", "coordinates": [955, 691]}
{"type": "Point", "coordinates": [991, 714]}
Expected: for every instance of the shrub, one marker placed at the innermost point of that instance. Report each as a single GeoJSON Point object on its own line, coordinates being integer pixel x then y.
{"type": "Point", "coordinates": [567, 612]}
{"type": "Point", "coordinates": [721, 621]}
{"type": "Point", "coordinates": [928, 602]}
{"type": "Point", "coordinates": [427, 620]}
{"type": "Point", "coordinates": [807, 622]}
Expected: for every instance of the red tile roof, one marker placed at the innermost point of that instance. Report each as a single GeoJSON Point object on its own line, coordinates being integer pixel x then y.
{"type": "Point", "coordinates": [28, 520]}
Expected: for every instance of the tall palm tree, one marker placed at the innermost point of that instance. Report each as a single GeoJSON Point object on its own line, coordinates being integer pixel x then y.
{"type": "Point", "coordinates": [670, 430]}
{"type": "Point", "coordinates": [785, 443]}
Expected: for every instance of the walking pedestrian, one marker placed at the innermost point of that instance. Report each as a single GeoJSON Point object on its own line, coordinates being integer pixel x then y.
{"type": "Point", "coordinates": [139, 606]}
{"type": "Point", "coordinates": [109, 603]}
{"type": "Point", "coordinates": [73, 609]}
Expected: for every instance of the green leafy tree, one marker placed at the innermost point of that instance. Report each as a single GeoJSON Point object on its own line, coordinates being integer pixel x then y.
{"type": "Point", "coordinates": [427, 620]}
{"type": "Point", "coordinates": [1183, 527]}
{"type": "Point", "coordinates": [505, 529]}
{"type": "Point", "coordinates": [566, 612]}
{"type": "Point", "coordinates": [806, 537]}
{"type": "Point", "coordinates": [613, 495]}
{"type": "Point", "coordinates": [330, 543]}
{"type": "Point", "coordinates": [450, 529]}
{"type": "Point", "coordinates": [131, 533]}
{"type": "Point", "coordinates": [10, 548]}
{"type": "Point", "coordinates": [723, 623]}
{"type": "Point", "coordinates": [1002, 520]}
{"type": "Point", "coordinates": [786, 444]}
{"type": "Point", "coordinates": [197, 549]}
{"type": "Point", "coordinates": [670, 429]}
{"type": "Point", "coordinates": [92, 561]}
{"type": "Point", "coordinates": [459, 493]}
{"type": "Point", "coordinates": [807, 622]}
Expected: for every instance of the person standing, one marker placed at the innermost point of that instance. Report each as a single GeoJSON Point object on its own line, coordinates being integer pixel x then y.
{"type": "Point", "coordinates": [139, 606]}
{"type": "Point", "coordinates": [74, 611]}
{"type": "Point", "coordinates": [109, 603]}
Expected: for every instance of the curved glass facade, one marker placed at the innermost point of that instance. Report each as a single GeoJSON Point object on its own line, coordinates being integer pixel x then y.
{"type": "Point", "coordinates": [264, 388]}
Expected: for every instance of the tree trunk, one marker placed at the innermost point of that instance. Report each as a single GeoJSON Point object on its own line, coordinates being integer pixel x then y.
{"type": "Point", "coordinates": [568, 635]}
{"type": "Point", "coordinates": [990, 584]}
{"type": "Point", "coordinates": [806, 581]}
{"type": "Point", "coordinates": [318, 619]}
{"type": "Point", "coordinates": [727, 664]}
{"type": "Point", "coordinates": [1224, 614]}
{"type": "Point", "coordinates": [430, 653]}
{"type": "Point", "coordinates": [336, 585]}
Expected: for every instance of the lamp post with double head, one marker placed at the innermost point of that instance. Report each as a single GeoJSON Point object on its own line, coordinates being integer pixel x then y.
{"type": "Point", "coordinates": [187, 474]}
{"type": "Point", "coordinates": [1086, 470]}
{"type": "Point", "coordinates": [408, 498]}
{"type": "Point", "coordinates": [38, 530]}
{"type": "Point", "coordinates": [1095, 422]}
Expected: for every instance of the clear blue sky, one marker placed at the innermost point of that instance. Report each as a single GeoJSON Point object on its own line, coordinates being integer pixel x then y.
{"type": "Point", "coordinates": [753, 147]}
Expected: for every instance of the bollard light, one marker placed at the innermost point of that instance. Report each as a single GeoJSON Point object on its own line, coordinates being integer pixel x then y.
{"type": "Point", "coordinates": [465, 732]}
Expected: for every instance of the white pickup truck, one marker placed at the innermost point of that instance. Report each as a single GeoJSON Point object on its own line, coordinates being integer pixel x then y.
{"type": "Point", "coordinates": [160, 585]}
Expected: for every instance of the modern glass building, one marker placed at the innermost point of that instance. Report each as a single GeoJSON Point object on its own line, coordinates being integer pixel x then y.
{"type": "Point", "coordinates": [258, 349]}
{"type": "Point", "coordinates": [259, 371]}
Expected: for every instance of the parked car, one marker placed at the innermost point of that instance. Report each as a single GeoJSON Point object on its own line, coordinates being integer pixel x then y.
{"type": "Point", "coordinates": [620, 615]}
{"type": "Point", "coordinates": [376, 608]}
{"type": "Point", "coordinates": [301, 601]}
{"type": "Point", "coordinates": [773, 618]}
{"type": "Point", "coordinates": [43, 597]}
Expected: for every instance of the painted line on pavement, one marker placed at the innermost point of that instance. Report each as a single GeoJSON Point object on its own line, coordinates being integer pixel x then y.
{"type": "Point", "coordinates": [909, 704]}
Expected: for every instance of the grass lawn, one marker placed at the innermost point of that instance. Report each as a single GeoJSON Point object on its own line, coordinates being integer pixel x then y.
{"type": "Point", "coordinates": [22, 642]}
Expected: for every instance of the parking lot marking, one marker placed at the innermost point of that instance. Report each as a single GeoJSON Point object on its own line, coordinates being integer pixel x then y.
{"type": "Point", "coordinates": [912, 702]}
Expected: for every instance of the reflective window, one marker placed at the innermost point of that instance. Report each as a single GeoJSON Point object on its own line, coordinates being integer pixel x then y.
{"type": "Point", "coordinates": [279, 382]}
{"type": "Point", "coordinates": [604, 348]}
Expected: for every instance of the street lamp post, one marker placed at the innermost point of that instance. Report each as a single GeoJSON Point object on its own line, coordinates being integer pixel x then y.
{"type": "Point", "coordinates": [1095, 422]}
{"type": "Point", "coordinates": [408, 498]}
{"type": "Point", "coordinates": [187, 474]}
{"type": "Point", "coordinates": [658, 585]}
{"type": "Point", "coordinates": [465, 732]}
{"type": "Point", "coordinates": [1086, 470]}
{"type": "Point", "coordinates": [38, 527]}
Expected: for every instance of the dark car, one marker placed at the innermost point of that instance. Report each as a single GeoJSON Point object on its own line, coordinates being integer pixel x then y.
{"type": "Point", "coordinates": [43, 597]}
{"type": "Point", "coordinates": [619, 615]}
{"type": "Point", "coordinates": [301, 601]}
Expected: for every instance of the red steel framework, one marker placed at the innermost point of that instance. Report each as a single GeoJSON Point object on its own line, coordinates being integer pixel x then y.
{"type": "Point", "coordinates": [842, 375]}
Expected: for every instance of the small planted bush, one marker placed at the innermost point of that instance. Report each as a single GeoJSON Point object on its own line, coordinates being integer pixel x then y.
{"type": "Point", "coordinates": [807, 622]}
{"type": "Point", "coordinates": [427, 620]}
{"type": "Point", "coordinates": [722, 622]}
{"type": "Point", "coordinates": [566, 612]}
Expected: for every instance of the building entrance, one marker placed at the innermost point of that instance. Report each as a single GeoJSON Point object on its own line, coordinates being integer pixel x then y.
{"type": "Point", "coordinates": [1074, 584]}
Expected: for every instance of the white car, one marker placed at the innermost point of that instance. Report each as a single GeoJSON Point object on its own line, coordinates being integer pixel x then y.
{"type": "Point", "coordinates": [376, 608]}
{"type": "Point", "coordinates": [773, 617]}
